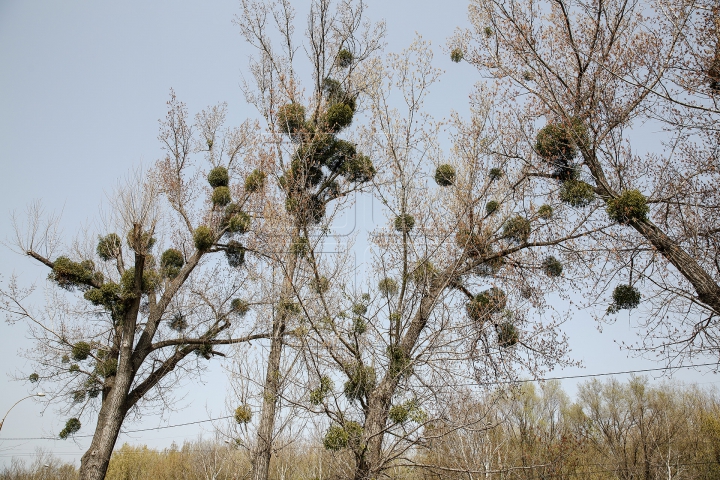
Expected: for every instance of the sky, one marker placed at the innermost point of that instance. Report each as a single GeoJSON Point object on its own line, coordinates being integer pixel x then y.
{"type": "Point", "coordinates": [82, 86]}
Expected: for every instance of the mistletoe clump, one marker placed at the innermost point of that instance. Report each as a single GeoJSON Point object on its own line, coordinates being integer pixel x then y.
{"type": "Point", "coordinates": [321, 392]}
{"type": "Point", "coordinates": [219, 177]}
{"type": "Point", "coordinates": [361, 380]}
{"type": "Point", "coordinates": [34, 377]}
{"type": "Point", "coordinates": [475, 245]}
{"type": "Point", "coordinates": [235, 253]}
{"type": "Point", "coordinates": [203, 238]}
{"type": "Point", "coordinates": [255, 181]}
{"type": "Point", "coordinates": [554, 143]}
{"type": "Point", "coordinates": [424, 272]}
{"type": "Point", "coordinates": [400, 362]}
{"type": "Point", "coordinates": [349, 435]}
{"type": "Point", "coordinates": [243, 414]}
{"type": "Point", "coordinates": [517, 229]}
{"type": "Point", "coordinates": [300, 246]}
{"type": "Point", "coordinates": [71, 275]}
{"type": "Point", "coordinates": [150, 281]}
{"type": "Point", "coordinates": [630, 206]}
{"type": "Point", "coordinates": [109, 246]}
{"type": "Point", "coordinates": [491, 207]}
{"type": "Point", "coordinates": [291, 118]}
{"type": "Point", "coordinates": [552, 267]}
{"type": "Point", "coordinates": [109, 295]}
{"type": "Point", "coordinates": [486, 303]}
{"type": "Point", "coordinates": [205, 350]}
{"type": "Point", "coordinates": [495, 174]}
{"type": "Point", "coordinates": [507, 335]}
{"type": "Point", "coordinates": [240, 307]}
{"type": "Point", "coordinates": [107, 367]}
{"type": "Point", "coordinates": [72, 426]}
{"type": "Point", "coordinates": [577, 193]}
{"type": "Point", "coordinates": [545, 212]}
{"type": "Point", "coordinates": [320, 285]}
{"type": "Point", "coordinates": [445, 175]}
{"type": "Point", "coordinates": [81, 351]}
{"type": "Point", "coordinates": [625, 297]}
{"type": "Point", "coordinates": [409, 410]}
{"type": "Point", "coordinates": [178, 322]}
{"type": "Point", "coordinates": [171, 261]}
{"type": "Point", "coordinates": [456, 55]}
{"type": "Point", "coordinates": [237, 220]}
{"type": "Point", "coordinates": [404, 223]}
{"type": "Point", "coordinates": [221, 196]}
{"type": "Point", "coordinates": [344, 58]}
{"type": "Point", "coordinates": [388, 287]}
{"type": "Point", "coordinates": [339, 116]}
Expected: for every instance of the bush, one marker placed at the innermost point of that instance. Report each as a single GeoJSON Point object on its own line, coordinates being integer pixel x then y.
{"type": "Point", "coordinates": [507, 335]}
{"type": "Point", "coordinates": [108, 247]}
{"type": "Point", "coordinates": [204, 238]}
{"type": "Point", "coordinates": [218, 177]}
{"type": "Point", "coordinates": [491, 207]}
{"type": "Point", "coordinates": [72, 426]}
{"type": "Point", "coordinates": [361, 381]}
{"type": "Point", "coordinates": [359, 169]}
{"type": "Point", "coordinates": [171, 261]}
{"type": "Point", "coordinates": [486, 303]}
{"type": "Point", "coordinates": [517, 229]}
{"type": "Point", "coordinates": [239, 223]}
{"type": "Point", "coordinates": [235, 254]}
{"type": "Point", "coordinates": [630, 206]}
{"type": "Point", "coordinates": [577, 193]}
{"type": "Point", "coordinates": [552, 267]}
{"type": "Point", "coordinates": [344, 58]}
{"type": "Point", "coordinates": [625, 297]}
{"type": "Point", "coordinates": [495, 174]}
{"type": "Point", "coordinates": [81, 351]}
{"type": "Point", "coordinates": [545, 212]}
{"type": "Point", "coordinates": [221, 196]}
{"type": "Point", "coordinates": [456, 55]}
{"type": "Point", "coordinates": [255, 181]}
{"type": "Point", "coordinates": [445, 175]}
{"type": "Point", "coordinates": [388, 286]}
{"type": "Point", "coordinates": [243, 414]}
{"type": "Point", "coordinates": [338, 116]}
{"type": "Point", "coordinates": [178, 322]}
{"type": "Point", "coordinates": [404, 223]}
{"type": "Point", "coordinates": [291, 118]}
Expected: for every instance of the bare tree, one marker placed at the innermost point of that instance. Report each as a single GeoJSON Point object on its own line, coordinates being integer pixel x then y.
{"type": "Point", "coordinates": [146, 322]}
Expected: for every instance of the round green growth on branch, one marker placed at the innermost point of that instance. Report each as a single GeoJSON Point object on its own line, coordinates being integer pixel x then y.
{"type": "Point", "coordinates": [243, 414]}
{"type": "Point", "coordinates": [239, 223]}
{"type": "Point", "coordinates": [338, 116]}
{"type": "Point", "coordinates": [218, 177]}
{"type": "Point", "coordinates": [577, 193]}
{"type": "Point", "coordinates": [204, 238]}
{"type": "Point", "coordinates": [486, 303]}
{"type": "Point", "coordinates": [445, 175]}
{"type": "Point", "coordinates": [517, 229]}
{"type": "Point", "coordinates": [491, 207]}
{"type": "Point", "coordinates": [336, 438]}
{"type": "Point", "coordinates": [235, 254]}
{"type": "Point", "coordinates": [552, 267]}
{"type": "Point", "coordinates": [474, 244]}
{"type": "Point", "coordinates": [361, 381]}
{"type": "Point", "coordinates": [344, 58]}
{"type": "Point", "coordinates": [72, 426]}
{"type": "Point", "coordinates": [319, 394]}
{"type": "Point", "coordinates": [178, 322]}
{"type": "Point", "coordinates": [94, 387]}
{"type": "Point", "coordinates": [388, 287]}
{"type": "Point", "coordinates": [423, 273]}
{"type": "Point", "coordinates": [107, 367]}
{"type": "Point", "coordinates": [150, 281]}
{"type": "Point", "coordinates": [291, 118]}
{"type": "Point", "coordinates": [404, 223]}
{"type": "Point", "coordinates": [630, 206]}
{"type": "Point", "coordinates": [288, 308]}
{"type": "Point", "coordinates": [240, 307]}
{"type": "Point", "coordinates": [625, 297]}
{"type": "Point", "coordinates": [205, 350]}
{"type": "Point", "coordinates": [359, 326]}
{"type": "Point", "coordinates": [141, 243]}
{"type": "Point", "coordinates": [78, 396]}
{"type": "Point", "coordinates": [553, 143]}
{"type": "Point", "coordinates": [495, 174]}
{"type": "Point", "coordinates": [358, 169]}
{"type": "Point", "coordinates": [74, 368]}
{"type": "Point", "coordinates": [320, 285]}
{"type": "Point", "coordinates": [80, 351]}
{"type": "Point", "coordinates": [34, 377]}
{"type": "Point", "coordinates": [221, 196]}
{"type": "Point", "coordinates": [528, 76]}
{"type": "Point", "coordinates": [70, 275]}
{"type": "Point", "coordinates": [300, 247]}
{"type": "Point", "coordinates": [545, 212]}
{"type": "Point", "coordinates": [171, 261]}
{"type": "Point", "coordinates": [400, 363]}
{"type": "Point", "coordinates": [507, 335]}
{"type": "Point", "coordinates": [108, 247]}
{"type": "Point", "coordinates": [255, 181]}
{"type": "Point", "coordinates": [488, 31]}
{"type": "Point", "coordinates": [108, 295]}
{"type": "Point", "coordinates": [405, 411]}
{"type": "Point", "coordinates": [359, 309]}
{"type": "Point", "coordinates": [456, 55]}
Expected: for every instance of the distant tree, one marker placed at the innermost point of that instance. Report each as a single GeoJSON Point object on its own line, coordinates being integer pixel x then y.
{"type": "Point", "coordinates": [135, 311]}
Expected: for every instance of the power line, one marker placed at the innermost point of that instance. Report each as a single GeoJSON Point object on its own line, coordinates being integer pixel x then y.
{"type": "Point", "coordinates": [505, 382]}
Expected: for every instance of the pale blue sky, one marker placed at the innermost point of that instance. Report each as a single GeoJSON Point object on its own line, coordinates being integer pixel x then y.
{"type": "Point", "coordinates": [82, 86]}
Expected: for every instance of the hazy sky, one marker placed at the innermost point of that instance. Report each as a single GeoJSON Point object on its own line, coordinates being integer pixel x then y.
{"type": "Point", "coordinates": [82, 86]}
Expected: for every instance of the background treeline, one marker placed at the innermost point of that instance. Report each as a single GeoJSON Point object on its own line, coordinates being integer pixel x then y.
{"type": "Point", "coordinates": [613, 430]}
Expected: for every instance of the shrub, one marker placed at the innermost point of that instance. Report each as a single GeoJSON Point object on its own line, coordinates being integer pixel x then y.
{"type": "Point", "coordinates": [72, 426]}
{"type": "Point", "coordinates": [625, 297]}
{"type": "Point", "coordinates": [491, 207]}
{"type": "Point", "coordinates": [80, 351]}
{"type": "Point", "coordinates": [291, 117]}
{"type": "Point", "coordinates": [517, 229]}
{"type": "Point", "coordinates": [178, 322]}
{"type": "Point", "coordinates": [486, 303]}
{"type": "Point", "coordinates": [552, 267]}
{"type": "Point", "coordinates": [495, 174]}
{"type": "Point", "coordinates": [239, 223]}
{"type": "Point", "coordinates": [577, 193]}
{"type": "Point", "coordinates": [404, 223]}
{"type": "Point", "coordinates": [108, 247]}
{"type": "Point", "coordinates": [445, 175]}
{"type": "Point", "coordinates": [344, 58]}
{"type": "Point", "coordinates": [240, 307]}
{"type": "Point", "coordinates": [235, 254]}
{"type": "Point", "coordinates": [34, 377]}
{"type": "Point", "coordinates": [338, 116]}
{"type": "Point", "coordinates": [361, 381]}
{"type": "Point", "coordinates": [359, 169]}
{"type": "Point", "coordinates": [218, 177]}
{"type": "Point", "coordinates": [171, 261]}
{"type": "Point", "coordinates": [318, 395]}
{"type": "Point", "coordinates": [630, 206]}
{"type": "Point", "coordinates": [507, 334]}
{"type": "Point", "coordinates": [456, 55]}
{"type": "Point", "coordinates": [255, 181]}
{"type": "Point", "coordinates": [545, 212]}
{"type": "Point", "coordinates": [388, 286]}
{"type": "Point", "coordinates": [221, 196]}
{"type": "Point", "coordinates": [243, 414]}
